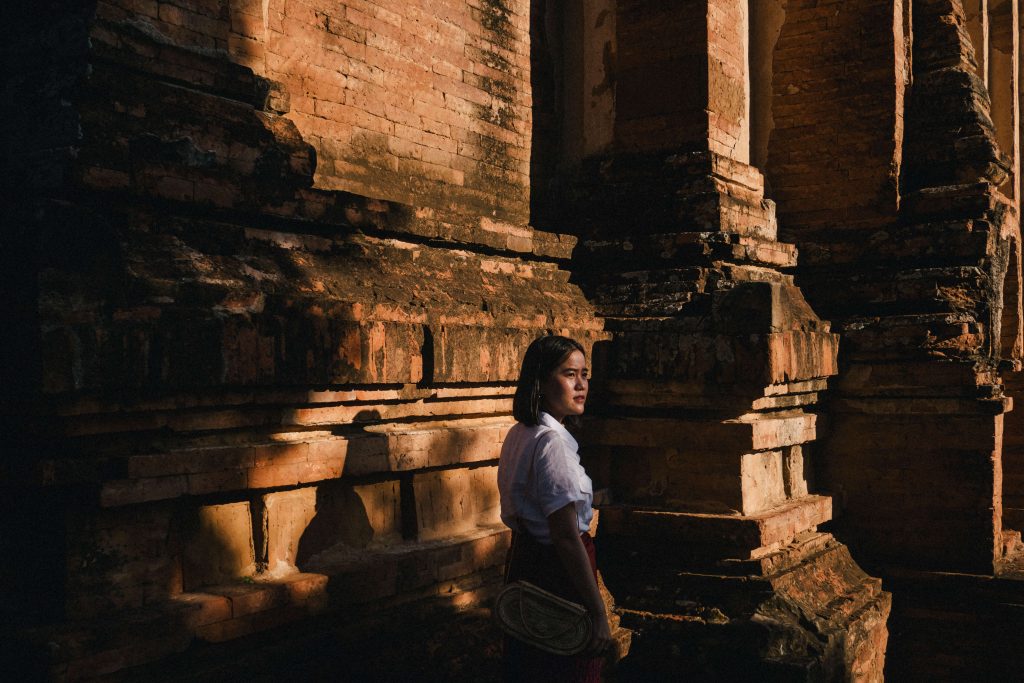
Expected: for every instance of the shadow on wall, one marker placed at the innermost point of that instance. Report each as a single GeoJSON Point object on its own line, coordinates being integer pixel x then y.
{"type": "Point", "coordinates": [432, 486]}
{"type": "Point", "coordinates": [277, 530]}
{"type": "Point", "coordinates": [352, 515]}
{"type": "Point", "coordinates": [421, 485]}
{"type": "Point", "coordinates": [573, 72]}
{"type": "Point", "coordinates": [341, 517]}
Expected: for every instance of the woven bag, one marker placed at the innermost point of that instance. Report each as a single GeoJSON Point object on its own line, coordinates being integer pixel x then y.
{"type": "Point", "coordinates": [542, 619]}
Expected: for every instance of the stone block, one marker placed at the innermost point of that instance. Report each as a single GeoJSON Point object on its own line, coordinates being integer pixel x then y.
{"type": "Point", "coordinates": [728, 437]}
{"type": "Point", "coordinates": [203, 608]}
{"type": "Point", "coordinates": [422, 448]}
{"type": "Point", "coordinates": [305, 589]}
{"type": "Point", "coordinates": [352, 516]}
{"type": "Point", "coordinates": [219, 545]}
{"type": "Point", "coordinates": [762, 481]}
{"type": "Point", "coordinates": [250, 598]}
{"type": "Point", "coordinates": [796, 470]}
{"type": "Point", "coordinates": [382, 503]}
{"type": "Point", "coordinates": [238, 627]}
{"type": "Point", "coordinates": [739, 537]}
{"type": "Point", "coordinates": [698, 480]}
{"type": "Point", "coordinates": [373, 573]}
{"type": "Point", "coordinates": [488, 354]}
{"type": "Point", "coordinates": [712, 362]}
{"type": "Point", "coordinates": [479, 354]}
{"type": "Point", "coordinates": [286, 514]}
{"type": "Point", "coordinates": [450, 502]}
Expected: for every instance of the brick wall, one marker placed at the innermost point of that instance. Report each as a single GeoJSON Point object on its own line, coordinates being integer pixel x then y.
{"type": "Point", "coordinates": [422, 102]}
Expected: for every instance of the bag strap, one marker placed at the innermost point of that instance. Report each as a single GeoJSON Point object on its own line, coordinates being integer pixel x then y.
{"type": "Point", "coordinates": [516, 547]}
{"type": "Point", "coordinates": [512, 551]}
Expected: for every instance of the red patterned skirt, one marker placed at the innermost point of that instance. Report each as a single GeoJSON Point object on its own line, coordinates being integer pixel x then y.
{"type": "Point", "coordinates": [539, 564]}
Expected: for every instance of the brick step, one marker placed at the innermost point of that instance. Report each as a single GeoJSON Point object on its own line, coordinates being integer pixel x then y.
{"type": "Point", "coordinates": [857, 600]}
{"type": "Point", "coordinates": [219, 613]}
{"type": "Point", "coordinates": [359, 576]}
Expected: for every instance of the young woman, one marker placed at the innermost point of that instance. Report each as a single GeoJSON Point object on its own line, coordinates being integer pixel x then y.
{"type": "Point", "coordinates": [546, 499]}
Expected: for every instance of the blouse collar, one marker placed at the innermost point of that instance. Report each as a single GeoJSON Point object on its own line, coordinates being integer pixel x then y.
{"type": "Point", "coordinates": [548, 421]}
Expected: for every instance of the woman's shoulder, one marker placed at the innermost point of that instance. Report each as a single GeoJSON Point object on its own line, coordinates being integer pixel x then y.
{"type": "Point", "coordinates": [551, 439]}
{"type": "Point", "coordinates": [539, 434]}
{"type": "Point", "coordinates": [528, 429]}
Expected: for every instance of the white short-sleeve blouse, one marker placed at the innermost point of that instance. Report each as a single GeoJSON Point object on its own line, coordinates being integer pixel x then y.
{"type": "Point", "coordinates": [540, 472]}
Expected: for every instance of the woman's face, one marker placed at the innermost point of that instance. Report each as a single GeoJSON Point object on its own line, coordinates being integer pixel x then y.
{"type": "Point", "coordinates": [564, 392]}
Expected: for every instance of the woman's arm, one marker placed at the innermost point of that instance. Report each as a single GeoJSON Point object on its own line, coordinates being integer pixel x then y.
{"type": "Point", "coordinates": [565, 536]}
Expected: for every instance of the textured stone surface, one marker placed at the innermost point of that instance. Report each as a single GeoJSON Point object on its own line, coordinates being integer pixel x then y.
{"type": "Point", "coordinates": [220, 547]}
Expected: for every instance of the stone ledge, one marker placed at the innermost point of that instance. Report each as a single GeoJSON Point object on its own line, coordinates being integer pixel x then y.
{"type": "Point", "coordinates": [753, 431]}
{"type": "Point", "coordinates": [698, 396]}
{"type": "Point", "coordinates": [750, 537]}
{"type": "Point", "coordinates": [300, 458]}
{"type": "Point", "coordinates": [923, 406]}
{"type": "Point", "coordinates": [359, 576]}
{"type": "Point", "coordinates": [70, 406]}
{"type": "Point", "coordinates": [675, 249]}
{"type": "Point", "coordinates": [297, 416]}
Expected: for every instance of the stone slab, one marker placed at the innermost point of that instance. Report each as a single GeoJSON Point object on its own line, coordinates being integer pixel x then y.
{"type": "Point", "coordinates": [748, 536]}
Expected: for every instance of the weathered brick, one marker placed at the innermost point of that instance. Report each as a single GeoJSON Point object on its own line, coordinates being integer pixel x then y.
{"type": "Point", "coordinates": [450, 502]}
{"type": "Point", "coordinates": [220, 545]}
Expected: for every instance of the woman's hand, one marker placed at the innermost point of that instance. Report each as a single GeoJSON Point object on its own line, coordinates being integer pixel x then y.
{"type": "Point", "coordinates": [601, 642]}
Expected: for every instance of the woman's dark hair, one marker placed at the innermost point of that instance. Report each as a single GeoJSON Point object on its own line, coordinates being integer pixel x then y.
{"type": "Point", "coordinates": [542, 357]}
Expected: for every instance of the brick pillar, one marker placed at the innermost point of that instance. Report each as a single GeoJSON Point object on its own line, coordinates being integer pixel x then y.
{"type": "Point", "coordinates": [908, 245]}
{"type": "Point", "coordinates": [918, 272]}
{"type": "Point", "coordinates": [705, 422]}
